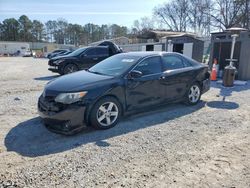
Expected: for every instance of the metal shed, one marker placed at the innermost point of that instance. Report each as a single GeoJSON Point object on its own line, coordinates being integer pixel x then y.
{"type": "Point", "coordinates": [188, 45]}
{"type": "Point", "coordinates": [221, 47]}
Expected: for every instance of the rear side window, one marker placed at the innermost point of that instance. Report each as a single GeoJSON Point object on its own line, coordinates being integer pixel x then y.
{"type": "Point", "coordinates": [149, 66]}
{"type": "Point", "coordinates": [187, 63]}
{"type": "Point", "coordinates": [172, 62]}
{"type": "Point", "coordinates": [91, 52]}
{"type": "Point", "coordinates": [102, 51]}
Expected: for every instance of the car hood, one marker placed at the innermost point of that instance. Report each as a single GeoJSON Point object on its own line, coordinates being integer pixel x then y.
{"type": "Point", "coordinates": [63, 57]}
{"type": "Point", "coordinates": [74, 82]}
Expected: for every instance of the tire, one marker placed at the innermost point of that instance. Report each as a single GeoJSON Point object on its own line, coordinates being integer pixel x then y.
{"type": "Point", "coordinates": [193, 94]}
{"type": "Point", "coordinates": [70, 68]}
{"type": "Point", "coordinates": [105, 113]}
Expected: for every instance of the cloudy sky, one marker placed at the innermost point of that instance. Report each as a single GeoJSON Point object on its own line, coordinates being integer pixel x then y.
{"type": "Point", "coordinates": [122, 12]}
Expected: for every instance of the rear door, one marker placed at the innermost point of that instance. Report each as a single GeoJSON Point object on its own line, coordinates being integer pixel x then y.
{"type": "Point", "coordinates": [178, 72]}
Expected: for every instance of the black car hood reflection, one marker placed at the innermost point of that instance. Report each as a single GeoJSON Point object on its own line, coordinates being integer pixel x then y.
{"type": "Point", "coordinates": [74, 82]}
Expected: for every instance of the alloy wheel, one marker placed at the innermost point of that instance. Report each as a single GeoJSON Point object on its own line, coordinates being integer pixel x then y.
{"type": "Point", "coordinates": [70, 69]}
{"type": "Point", "coordinates": [194, 94]}
{"type": "Point", "coordinates": [107, 114]}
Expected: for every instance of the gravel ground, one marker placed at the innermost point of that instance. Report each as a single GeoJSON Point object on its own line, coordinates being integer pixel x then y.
{"type": "Point", "coordinates": [207, 145]}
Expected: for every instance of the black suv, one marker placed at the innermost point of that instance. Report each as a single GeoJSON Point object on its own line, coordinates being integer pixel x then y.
{"type": "Point", "coordinates": [82, 58]}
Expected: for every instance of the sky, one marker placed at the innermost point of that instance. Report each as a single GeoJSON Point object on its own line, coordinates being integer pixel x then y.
{"type": "Point", "coordinates": [122, 12]}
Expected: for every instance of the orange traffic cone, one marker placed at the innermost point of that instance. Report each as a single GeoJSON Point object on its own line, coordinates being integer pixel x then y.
{"type": "Point", "coordinates": [214, 72]}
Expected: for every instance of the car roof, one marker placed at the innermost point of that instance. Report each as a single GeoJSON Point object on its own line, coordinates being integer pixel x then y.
{"type": "Point", "coordinates": [89, 47]}
{"type": "Point", "coordinates": [160, 53]}
{"type": "Point", "coordinates": [150, 53]}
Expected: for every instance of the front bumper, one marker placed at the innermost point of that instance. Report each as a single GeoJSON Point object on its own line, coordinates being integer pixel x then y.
{"type": "Point", "coordinates": [62, 119]}
{"type": "Point", "coordinates": [54, 69]}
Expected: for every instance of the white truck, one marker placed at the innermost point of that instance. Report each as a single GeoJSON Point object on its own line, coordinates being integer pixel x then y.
{"type": "Point", "coordinates": [17, 48]}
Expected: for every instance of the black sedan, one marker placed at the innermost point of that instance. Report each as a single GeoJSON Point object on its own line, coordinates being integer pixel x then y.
{"type": "Point", "coordinates": [120, 85]}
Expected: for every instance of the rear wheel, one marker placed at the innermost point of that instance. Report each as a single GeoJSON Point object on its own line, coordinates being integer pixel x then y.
{"type": "Point", "coordinates": [105, 113]}
{"type": "Point", "coordinates": [70, 68]}
{"type": "Point", "coordinates": [194, 94]}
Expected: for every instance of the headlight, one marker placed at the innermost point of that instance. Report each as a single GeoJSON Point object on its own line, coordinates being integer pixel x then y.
{"type": "Point", "coordinates": [57, 62]}
{"type": "Point", "coordinates": [69, 98]}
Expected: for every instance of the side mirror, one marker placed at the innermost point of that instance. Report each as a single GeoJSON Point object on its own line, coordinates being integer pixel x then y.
{"type": "Point", "coordinates": [134, 74]}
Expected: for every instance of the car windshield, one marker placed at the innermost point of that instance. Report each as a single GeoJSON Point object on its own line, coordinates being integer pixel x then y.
{"type": "Point", "coordinates": [115, 65]}
{"type": "Point", "coordinates": [77, 52]}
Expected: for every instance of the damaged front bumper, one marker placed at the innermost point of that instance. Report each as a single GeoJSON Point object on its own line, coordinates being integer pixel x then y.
{"type": "Point", "coordinates": [59, 118]}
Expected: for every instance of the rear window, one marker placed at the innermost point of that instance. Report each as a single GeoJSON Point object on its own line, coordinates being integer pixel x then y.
{"type": "Point", "coordinates": [172, 62]}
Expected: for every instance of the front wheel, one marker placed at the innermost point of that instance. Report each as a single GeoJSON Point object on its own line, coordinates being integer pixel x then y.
{"type": "Point", "coordinates": [193, 95]}
{"type": "Point", "coordinates": [70, 68]}
{"type": "Point", "coordinates": [105, 113]}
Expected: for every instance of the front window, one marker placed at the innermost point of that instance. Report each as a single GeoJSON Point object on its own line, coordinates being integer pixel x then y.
{"type": "Point", "coordinates": [149, 66]}
{"type": "Point", "coordinates": [91, 52]}
{"type": "Point", "coordinates": [78, 51]}
{"type": "Point", "coordinates": [115, 65]}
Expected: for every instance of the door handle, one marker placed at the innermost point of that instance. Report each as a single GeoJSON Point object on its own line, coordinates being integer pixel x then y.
{"type": "Point", "coordinates": [162, 78]}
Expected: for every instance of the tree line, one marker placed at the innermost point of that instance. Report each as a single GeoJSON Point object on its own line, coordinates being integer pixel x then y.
{"type": "Point", "coordinates": [58, 31]}
{"type": "Point", "coordinates": [198, 16]}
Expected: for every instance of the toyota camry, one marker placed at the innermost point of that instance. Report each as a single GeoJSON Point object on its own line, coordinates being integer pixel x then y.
{"type": "Point", "coordinates": [122, 84]}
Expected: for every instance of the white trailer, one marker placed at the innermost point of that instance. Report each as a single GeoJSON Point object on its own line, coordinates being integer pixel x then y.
{"type": "Point", "coordinates": [14, 48]}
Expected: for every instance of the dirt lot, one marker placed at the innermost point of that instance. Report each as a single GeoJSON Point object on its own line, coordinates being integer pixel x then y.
{"type": "Point", "coordinates": [207, 145]}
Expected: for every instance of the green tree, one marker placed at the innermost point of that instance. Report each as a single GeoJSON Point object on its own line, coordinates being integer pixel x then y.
{"type": "Point", "coordinates": [117, 31]}
{"type": "Point", "coordinates": [60, 33]}
{"type": "Point", "coordinates": [51, 27]}
{"type": "Point", "coordinates": [75, 34]}
{"type": "Point", "coordinates": [37, 30]}
{"type": "Point", "coordinates": [25, 28]}
{"type": "Point", "coordinates": [9, 29]}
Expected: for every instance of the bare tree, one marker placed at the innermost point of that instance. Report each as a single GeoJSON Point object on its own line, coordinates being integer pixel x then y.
{"type": "Point", "coordinates": [174, 14]}
{"type": "Point", "coordinates": [199, 16]}
{"type": "Point", "coordinates": [226, 13]}
{"type": "Point", "coordinates": [246, 14]}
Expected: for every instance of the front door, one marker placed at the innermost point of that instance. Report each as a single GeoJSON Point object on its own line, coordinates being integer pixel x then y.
{"type": "Point", "coordinates": [89, 58]}
{"type": "Point", "coordinates": [147, 90]}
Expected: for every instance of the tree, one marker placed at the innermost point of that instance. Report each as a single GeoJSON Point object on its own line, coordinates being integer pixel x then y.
{"type": "Point", "coordinates": [117, 31]}
{"type": "Point", "coordinates": [25, 28]}
{"type": "Point", "coordinates": [59, 34]}
{"type": "Point", "coordinates": [51, 27]}
{"type": "Point", "coordinates": [104, 32]}
{"type": "Point", "coordinates": [37, 30]}
{"type": "Point", "coordinates": [145, 23]}
{"type": "Point", "coordinates": [75, 34]}
{"type": "Point", "coordinates": [227, 13]}
{"type": "Point", "coordinates": [59, 31]}
{"type": "Point", "coordinates": [10, 30]}
{"type": "Point", "coordinates": [199, 16]}
{"type": "Point", "coordinates": [245, 14]}
{"type": "Point", "coordinates": [174, 14]}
